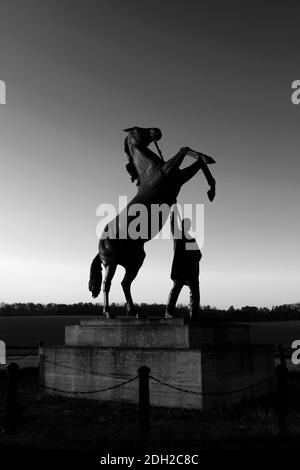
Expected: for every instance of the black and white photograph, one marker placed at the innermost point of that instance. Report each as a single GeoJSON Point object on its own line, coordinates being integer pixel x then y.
{"type": "Point", "coordinates": [149, 234]}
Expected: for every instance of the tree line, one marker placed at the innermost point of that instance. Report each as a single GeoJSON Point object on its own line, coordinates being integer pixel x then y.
{"type": "Point", "coordinates": [246, 313]}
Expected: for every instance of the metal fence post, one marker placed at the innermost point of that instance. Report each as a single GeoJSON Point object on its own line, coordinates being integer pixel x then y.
{"type": "Point", "coordinates": [144, 400]}
{"type": "Point", "coordinates": [11, 418]}
{"type": "Point", "coordinates": [281, 371]}
{"type": "Point", "coordinates": [41, 345]}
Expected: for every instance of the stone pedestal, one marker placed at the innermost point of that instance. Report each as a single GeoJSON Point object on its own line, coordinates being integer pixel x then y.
{"type": "Point", "coordinates": [197, 357]}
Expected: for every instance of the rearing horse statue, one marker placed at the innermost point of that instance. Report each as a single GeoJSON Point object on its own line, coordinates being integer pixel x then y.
{"type": "Point", "coordinates": [158, 182]}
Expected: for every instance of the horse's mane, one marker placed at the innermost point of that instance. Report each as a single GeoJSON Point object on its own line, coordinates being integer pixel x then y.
{"type": "Point", "coordinates": [130, 167]}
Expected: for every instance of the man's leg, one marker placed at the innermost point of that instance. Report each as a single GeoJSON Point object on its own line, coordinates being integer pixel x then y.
{"type": "Point", "coordinates": [194, 298]}
{"type": "Point", "coordinates": [173, 296]}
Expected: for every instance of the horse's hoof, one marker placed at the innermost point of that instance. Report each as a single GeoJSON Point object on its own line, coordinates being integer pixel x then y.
{"type": "Point", "coordinates": [196, 317]}
{"type": "Point", "coordinates": [109, 315]}
{"type": "Point", "coordinates": [169, 315]}
{"type": "Point", "coordinates": [140, 316]}
{"type": "Point", "coordinates": [211, 193]}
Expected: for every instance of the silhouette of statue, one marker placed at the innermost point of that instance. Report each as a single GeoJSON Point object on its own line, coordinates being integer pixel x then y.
{"type": "Point", "coordinates": [158, 182]}
{"type": "Point", "coordinates": [185, 267]}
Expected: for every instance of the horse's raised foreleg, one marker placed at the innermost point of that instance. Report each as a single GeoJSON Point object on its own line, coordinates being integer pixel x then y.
{"type": "Point", "coordinates": [187, 173]}
{"type": "Point", "coordinates": [110, 270]}
{"type": "Point", "coordinates": [174, 163]}
{"type": "Point", "coordinates": [211, 181]}
{"type": "Point", "coordinates": [206, 159]}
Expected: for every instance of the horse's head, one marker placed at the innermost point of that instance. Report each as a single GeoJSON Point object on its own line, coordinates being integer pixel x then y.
{"type": "Point", "coordinates": [143, 136]}
{"type": "Point", "coordinates": [139, 137]}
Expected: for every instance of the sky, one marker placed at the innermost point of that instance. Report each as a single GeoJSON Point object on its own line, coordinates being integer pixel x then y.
{"type": "Point", "coordinates": [215, 76]}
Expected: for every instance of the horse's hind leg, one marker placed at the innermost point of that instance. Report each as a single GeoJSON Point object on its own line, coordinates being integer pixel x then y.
{"type": "Point", "coordinates": [130, 275]}
{"type": "Point", "coordinates": [110, 270]}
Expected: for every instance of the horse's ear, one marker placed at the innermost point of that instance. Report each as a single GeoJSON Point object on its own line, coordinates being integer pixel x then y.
{"type": "Point", "coordinates": [126, 147]}
{"type": "Point", "coordinates": [129, 129]}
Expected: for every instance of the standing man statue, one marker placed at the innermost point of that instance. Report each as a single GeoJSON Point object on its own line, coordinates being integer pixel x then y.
{"type": "Point", "coordinates": [185, 267]}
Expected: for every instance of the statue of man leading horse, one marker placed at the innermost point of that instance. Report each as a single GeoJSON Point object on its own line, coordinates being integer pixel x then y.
{"type": "Point", "coordinates": [158, 182]}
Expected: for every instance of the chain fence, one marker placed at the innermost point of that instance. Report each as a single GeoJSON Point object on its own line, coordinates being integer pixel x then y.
{"type": "Point", "coordinates": [144, 378]}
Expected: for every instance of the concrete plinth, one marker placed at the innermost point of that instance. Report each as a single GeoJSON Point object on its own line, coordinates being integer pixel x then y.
{"type": "Point", "coordinates": [153, 333]}
{"type": "Point", "coordinates": [200, 358]}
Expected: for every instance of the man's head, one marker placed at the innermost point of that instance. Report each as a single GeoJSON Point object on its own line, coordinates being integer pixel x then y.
{"type": "Point", "coordinates": [186, 225]}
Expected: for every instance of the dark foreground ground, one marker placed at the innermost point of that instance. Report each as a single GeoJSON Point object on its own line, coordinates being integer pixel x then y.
{"type": "Point", "coordinates": [59, 428]}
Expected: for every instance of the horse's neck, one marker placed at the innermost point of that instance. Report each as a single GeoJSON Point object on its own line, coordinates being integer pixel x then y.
{"type": "Point", "coordinates": [145, 162]}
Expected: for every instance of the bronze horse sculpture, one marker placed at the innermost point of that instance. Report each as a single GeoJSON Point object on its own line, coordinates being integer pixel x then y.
{"type": "Point", "coordinates": [158, 182]}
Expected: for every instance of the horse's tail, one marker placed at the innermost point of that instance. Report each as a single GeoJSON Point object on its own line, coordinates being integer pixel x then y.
{"type": "Point", "coordinates": [95, 276]}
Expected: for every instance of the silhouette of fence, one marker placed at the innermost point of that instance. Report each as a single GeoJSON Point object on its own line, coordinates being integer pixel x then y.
{"type": "Point", "coordinates": [143, 377]}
